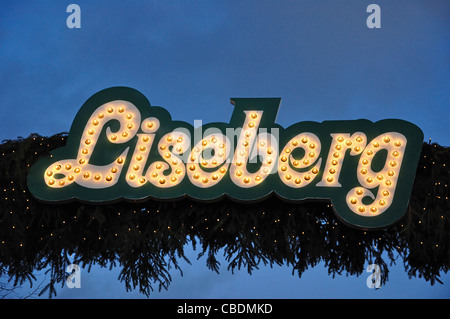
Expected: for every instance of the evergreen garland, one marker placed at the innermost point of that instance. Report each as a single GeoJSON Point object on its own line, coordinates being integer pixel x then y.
{"type": "Point", "coordinates": [147, 239]}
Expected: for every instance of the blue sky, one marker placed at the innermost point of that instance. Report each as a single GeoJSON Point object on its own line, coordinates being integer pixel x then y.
{"type": "Point", "coordinates": [192, 56]}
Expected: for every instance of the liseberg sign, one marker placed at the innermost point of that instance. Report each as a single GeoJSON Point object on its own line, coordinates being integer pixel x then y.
{"type": "Point", "coordinates": [121, 147]}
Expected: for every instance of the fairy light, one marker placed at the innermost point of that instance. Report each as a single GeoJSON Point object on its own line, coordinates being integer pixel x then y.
{"type": "Point", "coordinates": [385, 180]}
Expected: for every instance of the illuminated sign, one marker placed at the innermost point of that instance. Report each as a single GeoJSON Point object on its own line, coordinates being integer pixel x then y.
{"type": "Point", "coordinates": [121, 147]}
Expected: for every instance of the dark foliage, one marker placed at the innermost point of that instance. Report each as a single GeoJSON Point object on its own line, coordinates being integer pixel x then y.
{"type": "Point", "coordinates": [148, 239]}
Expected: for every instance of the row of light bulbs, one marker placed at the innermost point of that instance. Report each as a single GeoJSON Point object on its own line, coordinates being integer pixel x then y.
{"type": "Point", "coordinates": [207, 171]}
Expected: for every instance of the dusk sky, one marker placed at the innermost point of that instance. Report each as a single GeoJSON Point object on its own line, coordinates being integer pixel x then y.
{"type": "Point", "coordinates": [190, 57]}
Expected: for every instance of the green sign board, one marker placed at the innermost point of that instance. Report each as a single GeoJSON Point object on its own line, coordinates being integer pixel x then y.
{"type": "Point", "coordinates": [120, 147]}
